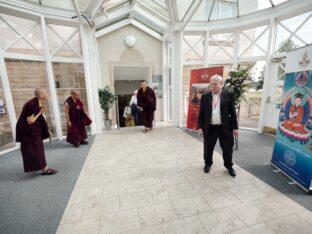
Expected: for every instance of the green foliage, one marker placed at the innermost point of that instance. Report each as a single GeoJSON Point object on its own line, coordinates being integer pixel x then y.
{"type": "Point", "coordinates": [107, 99]}
{"type": "Point", "coordinates": [238, 83]}
{"type": "Point", "coordinates": [287, 46]}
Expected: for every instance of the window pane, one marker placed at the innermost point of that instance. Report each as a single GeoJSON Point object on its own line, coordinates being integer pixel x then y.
{"type": "Point", "coordinates": [183, 6]}
{"type": "Point", "coordinates": [69, 76]}
{"type": "Point", "coordinates": [301, 38]}
{"type": "Point", "coordinates": [30, 43]}
{"type": "Point", "coordinates": [6, 136]}
{"type": "Point", "coordinates": [202, 13]}
{"type": "Point", "coordinates": [224, 9]}
{"type": "Point", "coordinates": [250, 107]}
{"type": "Point", "coordinates": [260, 35]}
{"type": "Point", "coordinates": [221, 47]}
{"type": "Point", "coordinates": [58, 35]}
{"type": "Point", "coordinates": [24, 78]}
{"type": "Point", "coordinates": [193, 47]}
{"type": "Point", "coordinates": [150, 4]}
{"type": "Point", "coordinates": [249, 6]}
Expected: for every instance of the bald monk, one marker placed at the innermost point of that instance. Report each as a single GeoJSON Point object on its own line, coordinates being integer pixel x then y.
{"type": "Point", "coordinates": [146, 105]}
{"type": "Point", "coordinates": [31, 130]}
{"type": "Point", "coordinates": [76, 120]}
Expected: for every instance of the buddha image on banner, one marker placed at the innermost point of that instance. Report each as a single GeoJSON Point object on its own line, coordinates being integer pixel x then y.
{"type": "Point", "coordinates": [293, 146]}
{"type": "Point", "coordinates": [199, 85]}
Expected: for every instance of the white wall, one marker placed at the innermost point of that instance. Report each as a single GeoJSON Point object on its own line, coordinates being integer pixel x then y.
{"type": "Point", "coordinates": [113, 51]}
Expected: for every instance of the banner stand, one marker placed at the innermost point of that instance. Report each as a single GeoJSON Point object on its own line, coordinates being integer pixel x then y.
{"type": "Point", "coordinates": [309, 191]}
{"type": "Point", "coordinates": [199, 85]}
{"type": "Point", "coordinates": [292, 152]}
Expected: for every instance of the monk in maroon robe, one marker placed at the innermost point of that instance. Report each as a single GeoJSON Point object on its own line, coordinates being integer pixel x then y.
{"type": "Point", "coordinates": [146, 105]}
{"type": "Point", "coordinates": [31, 129]}
{"type": "Point", "coordinates": [76, 120]}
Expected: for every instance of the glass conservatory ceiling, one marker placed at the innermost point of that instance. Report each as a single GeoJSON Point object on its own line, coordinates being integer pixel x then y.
{"type": "Point", "coordinates": [156, 14]}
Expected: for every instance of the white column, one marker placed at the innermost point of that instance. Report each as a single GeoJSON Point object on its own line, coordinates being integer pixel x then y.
{"type": "Point", "coordinates": [206, 51]}
{"type": "Point", "coordinates": [176, 78]}
{"type": "Point", "coordinates": [90, 71]}
{"type": "Point", "coordinates": [7, 94]}
{"type": "Point", "coordinates": [236, 47]}
{"type": "Point", "coordinates": [53, 94]}
{"type": "Point", "coordinates": [268, 81]}
{"type": "Point", "coordinates": [165, 70]}
{"type": "Point", "coordinates": [96, 81]}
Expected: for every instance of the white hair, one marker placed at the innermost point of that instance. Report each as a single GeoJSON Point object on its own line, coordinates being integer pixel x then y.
{"type": "Point", "coordinates": [135, 92]}
{"type": "Point", "coordinates": [216, 78]}
{"type": "Point", "coordinates": [39, 91]}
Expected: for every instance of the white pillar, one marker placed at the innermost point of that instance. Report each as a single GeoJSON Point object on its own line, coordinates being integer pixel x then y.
{"type": "Point", "coordinates": [53, 94]}
{"type": "Point", "coordinates": [176, 78]}
{"type": "Point", "coordinates": [7, 94]}
{"type": "Point", "coordinates": [165, 70]}
{"type": "Point", "coordinates": [236, 47]}
{"type": "Point", "coordinates": [91, 79]}
{"type": "Point", "coordinates": [206, 51]}
{"type": "Point", "coordinates": [268, 80]}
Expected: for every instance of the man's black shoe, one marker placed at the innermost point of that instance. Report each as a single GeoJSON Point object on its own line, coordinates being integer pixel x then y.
{"type": "Point", "coordinates": [207, 169]}
{"type": "Point", "coordinates": [232, 172]}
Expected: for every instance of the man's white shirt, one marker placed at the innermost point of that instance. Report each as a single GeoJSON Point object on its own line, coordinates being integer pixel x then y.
{"type": "Point", "coordinates": [216, 116]}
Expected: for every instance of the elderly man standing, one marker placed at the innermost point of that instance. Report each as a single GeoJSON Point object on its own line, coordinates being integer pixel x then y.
{"type": "Point", "coordinates": [76, 120]}
{"type": "Point", "coordinates": [31, 129]}
{"type": "Point", "coordinates": [217, 120]}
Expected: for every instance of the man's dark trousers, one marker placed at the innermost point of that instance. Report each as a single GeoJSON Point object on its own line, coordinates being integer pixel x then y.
{"type": "Point", "coordinates": [226, 142]}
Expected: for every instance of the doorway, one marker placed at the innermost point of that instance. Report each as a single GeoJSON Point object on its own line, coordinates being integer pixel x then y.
{"type": "Point", "coordinates": [127, 79]}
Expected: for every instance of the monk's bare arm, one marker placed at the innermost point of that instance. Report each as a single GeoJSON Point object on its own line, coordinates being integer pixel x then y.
{"type": "Point", "coordinates": [33, 118]}
{"type": "Point", "coordinates": [66, 110]}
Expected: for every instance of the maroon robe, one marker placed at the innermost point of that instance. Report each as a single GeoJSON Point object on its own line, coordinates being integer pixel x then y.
{"type": "Point", "coordinates": [147, 101]}
{"type": "Point", "coordinates": [31, 137]}
{"type": "Point", "coordinates": [78, 118]}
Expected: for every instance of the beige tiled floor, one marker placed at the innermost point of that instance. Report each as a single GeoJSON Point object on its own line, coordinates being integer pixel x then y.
{"type": "Point", "coordinates": [154, 183]}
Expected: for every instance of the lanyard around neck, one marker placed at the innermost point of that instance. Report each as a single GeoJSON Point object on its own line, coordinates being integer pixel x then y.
{"type": "Point", "coordinates": [215, 104]}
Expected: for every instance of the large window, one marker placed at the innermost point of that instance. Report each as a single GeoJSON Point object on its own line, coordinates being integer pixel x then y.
{"type": "Point", "coordinates": [20, 35]}
{"type": "Point", "coordinates": [294, 33]}
{"type": "Point", "coordinates": [6, 136]}
{"type": "Point", "coordinates": [24, 78]}
{"type": "Point", "coordinates": [64, 41]}
{"type": "Point", "coordinates": [193, 47]}
{"type": "Point", "coordinates": [253, 42]}
{"type": "Point", "coordinates": [221, 47]}
{"type": "Point", "coordinates": [69, 76]}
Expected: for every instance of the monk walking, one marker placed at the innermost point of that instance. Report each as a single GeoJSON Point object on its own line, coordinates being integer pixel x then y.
{"type": "Point", "coordinates": [76, 120]}
{"type": "Point", "coordinates": [31, 129]}
{"type": "Point", "coordinates": [146, 105]}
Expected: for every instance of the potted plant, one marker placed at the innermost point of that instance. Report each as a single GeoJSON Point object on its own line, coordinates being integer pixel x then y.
{"type": "Point", "coordinates": [107, 99]}
{"type": "Point", "coordinates": [238, 84]}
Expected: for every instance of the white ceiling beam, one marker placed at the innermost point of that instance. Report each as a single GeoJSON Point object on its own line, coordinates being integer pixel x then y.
{"type": "Point", "coordinates": [146, 29]}
{"type": "Point", "coordinates": [126, 22]}
{"type": "Point", "coordinates": [93, 8]}
{"type": "Point", "coordinates": [33, 12]}
{"type": "Point", "coordinates": [174, 8]}
{"type": "Point", "coordinates": [99, 21]}
{"type": "Point", "coordinates": [189, 14]}
{"type": "Point", "coordinates": [112, 28]}
{"type": "Point", "coordinates": [77, 10]}
{"type": "Point", "coordinates": [133, 2]}
{"type": "Point", "coordinates": [169, 10]}
{"type": "Point", "coordinates": [157, 21]}
{"type": "Point", "coordinates": [147, 8]}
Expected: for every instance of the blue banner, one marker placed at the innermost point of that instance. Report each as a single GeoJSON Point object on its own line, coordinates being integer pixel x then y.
{"type": "Point", "coordinates": [293, 146]}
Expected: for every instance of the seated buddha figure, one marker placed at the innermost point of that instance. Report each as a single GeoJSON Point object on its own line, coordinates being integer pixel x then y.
{"type": "Point", "coordinates": [296, 114]}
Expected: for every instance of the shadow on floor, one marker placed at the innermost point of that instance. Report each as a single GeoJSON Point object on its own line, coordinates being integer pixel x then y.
{"type": "Point", "coordinates": [31, 203]}
{"type": "Point", "coordinates": [256, 160]}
